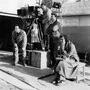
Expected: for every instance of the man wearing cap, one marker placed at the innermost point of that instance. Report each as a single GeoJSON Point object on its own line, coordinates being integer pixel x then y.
{"type": "Point", "coordinates": [54, 22]}
{"type": "Point", "coordinates": [19, 39]}
{"type": "Point", "coordinates": [53, 42]}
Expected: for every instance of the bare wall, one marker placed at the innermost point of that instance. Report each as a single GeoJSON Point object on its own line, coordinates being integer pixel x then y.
{"type": "Point", "coordinates": [78, 28]}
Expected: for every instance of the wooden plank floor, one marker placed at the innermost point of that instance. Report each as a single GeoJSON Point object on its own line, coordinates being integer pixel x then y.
{"type": "Point", "coordinates": [14, 81]}
{"type": "Point", "coordinates": [28, 76]}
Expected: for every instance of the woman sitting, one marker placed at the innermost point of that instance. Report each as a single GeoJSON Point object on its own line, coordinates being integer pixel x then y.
{"type": "Point", "coordinates": [67, 67]}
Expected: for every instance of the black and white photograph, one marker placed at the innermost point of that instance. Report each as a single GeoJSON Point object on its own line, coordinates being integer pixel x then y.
{"type": "Point", "coordinates": [44, 44]}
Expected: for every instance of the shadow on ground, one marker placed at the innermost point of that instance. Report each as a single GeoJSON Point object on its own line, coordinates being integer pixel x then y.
{"type": "Point", "coordinates": [7, 58]}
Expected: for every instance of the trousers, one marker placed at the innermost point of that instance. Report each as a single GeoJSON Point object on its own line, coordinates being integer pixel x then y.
{"type": "Point", "coordinates": [19, 52]}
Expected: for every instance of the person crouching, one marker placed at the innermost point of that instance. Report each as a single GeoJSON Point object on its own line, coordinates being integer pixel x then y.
{"type": "Point", "coordinates": [19, 39]}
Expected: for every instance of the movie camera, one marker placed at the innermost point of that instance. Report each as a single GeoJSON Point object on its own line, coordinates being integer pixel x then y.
{"type": "Point", "coordinates": [31, 17]}
{"type": "Point", "coordinates": [56, 5]}
{"type": "Point", "coordinates": [30, 11]}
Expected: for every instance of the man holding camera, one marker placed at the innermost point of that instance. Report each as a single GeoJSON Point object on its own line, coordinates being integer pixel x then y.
{"type": "Point", "coordinates": [46, 22]}
{"type": "Point", "coordinates": [46, 15]}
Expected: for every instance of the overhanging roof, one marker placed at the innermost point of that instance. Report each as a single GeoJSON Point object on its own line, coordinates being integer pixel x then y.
{"type": "Point", "coordinates": [9, 14]}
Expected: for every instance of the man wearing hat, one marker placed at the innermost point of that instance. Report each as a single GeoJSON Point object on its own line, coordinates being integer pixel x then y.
{"type": "Point", "coordinates": [53, 42]}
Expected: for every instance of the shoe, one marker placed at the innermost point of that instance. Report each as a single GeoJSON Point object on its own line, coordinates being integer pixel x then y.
{"type": "Point", "coordinates": [25, 65]}
{"type": "Point", "coordinates": [58, 82]}
{"type": "Point", "coordinates": [61, 81]}
{"type": "Point", "coordinates": [55, 81]}
{"type": "Point", "coordinates": [15, 64]}
{"type": "Point", "coordinates": [43, 49]}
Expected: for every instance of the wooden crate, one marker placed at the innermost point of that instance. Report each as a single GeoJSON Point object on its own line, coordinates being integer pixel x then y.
{"type": "Point", "coordinates": [38, 58]}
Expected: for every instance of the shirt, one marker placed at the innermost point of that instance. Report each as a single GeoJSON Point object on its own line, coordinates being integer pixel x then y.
{"type": "Point", "coordinates": [19, 38]}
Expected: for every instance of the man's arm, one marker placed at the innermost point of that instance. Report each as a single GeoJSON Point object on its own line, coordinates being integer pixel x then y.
{"type": "Point", "coordinates": [73, 53]}
{"type": "Point", "coordinates": [24, 40]}
{"type": "Point", "coordinates": [48, 16]}
{"type": "Point", "coordinates": [60, 28]}
{"type": "Point", "coordinates": [13, 39]}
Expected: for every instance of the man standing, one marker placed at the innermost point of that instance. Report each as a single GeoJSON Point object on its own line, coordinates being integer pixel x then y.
{"type": "Point", "coordinates": [46, 21]}
{"type": "Point", "coordinates": [19, 39]}
{"type": "Point", "coordinates": [54, 28]}
{"type": "Point", "coordinates": [54, 22]}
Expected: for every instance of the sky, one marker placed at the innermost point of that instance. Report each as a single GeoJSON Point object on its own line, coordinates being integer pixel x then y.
{"type": "Point", "coordinates": [8, 6]}
{"type": "Point", "coordinates": [11, 6]}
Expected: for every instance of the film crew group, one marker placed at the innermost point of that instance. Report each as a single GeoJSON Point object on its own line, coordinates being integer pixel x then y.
{"type": "Point", "coordinates": [63, 54]}
{"type": "Point", "coordinates": [19, 39]}
{"type": "Point", "coordinates": [63, 49]}
{"type": "Point", "coordinates": [49, 21]}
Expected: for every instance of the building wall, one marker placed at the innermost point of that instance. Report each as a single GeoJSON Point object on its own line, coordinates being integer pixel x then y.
{"type": "Point", "coordinates": [7, 25]}
{"type": "Point", "coordinates": [77, 8]}
{"type": "Point", "coordinates": [78, 29]}
{"type": "Point", "coordinates": [76, 23]}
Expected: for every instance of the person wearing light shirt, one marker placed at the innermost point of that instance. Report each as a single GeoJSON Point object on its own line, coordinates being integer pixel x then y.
{"type": "Point", "coordinates": [19, 39]}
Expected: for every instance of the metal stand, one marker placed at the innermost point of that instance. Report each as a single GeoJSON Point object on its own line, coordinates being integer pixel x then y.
{"type": "Point", "coordinates": [40, 33]}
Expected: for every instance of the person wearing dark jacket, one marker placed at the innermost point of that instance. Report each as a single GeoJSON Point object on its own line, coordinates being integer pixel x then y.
{"type": "Point", "coordinates": [53, 43]}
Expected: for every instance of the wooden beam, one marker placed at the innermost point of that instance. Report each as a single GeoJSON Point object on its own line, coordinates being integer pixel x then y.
{"type": "Point", "coordinates": [14, 81]}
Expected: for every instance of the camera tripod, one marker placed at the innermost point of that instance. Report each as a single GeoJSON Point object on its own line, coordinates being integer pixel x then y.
{"type": "Point", "coordinates": [40, 33]}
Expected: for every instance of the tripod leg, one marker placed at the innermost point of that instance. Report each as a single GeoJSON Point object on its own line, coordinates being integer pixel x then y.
{"type": "Point", "coordinates": [48, 75]}
{"type": "Point", "coordinates": [41, 37]}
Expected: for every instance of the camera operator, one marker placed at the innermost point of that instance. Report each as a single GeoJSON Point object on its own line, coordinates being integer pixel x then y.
{"type": "Point", "coordinates": [53, 43]}
{"type": "Point", "coordinates": [38, 19]}
{"type": "Point", "coordinates": [46, 21]}
{"type": "Point", "coordinates": [46, 15]}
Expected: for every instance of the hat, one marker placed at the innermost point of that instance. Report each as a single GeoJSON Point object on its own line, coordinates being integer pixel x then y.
{"type": "Point", "coordinates": [54, 14]}
{"type": "Point", "coordinates": [43, 4]}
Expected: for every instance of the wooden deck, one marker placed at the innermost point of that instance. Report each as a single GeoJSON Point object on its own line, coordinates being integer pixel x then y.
{"type": "Point", "coordinates": [27, 78]}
